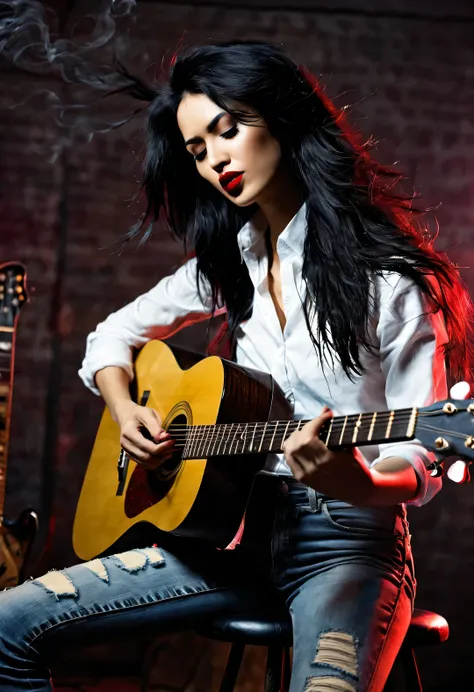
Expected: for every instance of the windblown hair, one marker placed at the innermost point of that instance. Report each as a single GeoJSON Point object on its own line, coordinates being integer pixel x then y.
{"type": "Point", "coordinates": [359, 222]}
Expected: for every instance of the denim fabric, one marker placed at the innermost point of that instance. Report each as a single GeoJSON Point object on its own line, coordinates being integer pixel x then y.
{"type": "Point", "coordinates": [345, 573]}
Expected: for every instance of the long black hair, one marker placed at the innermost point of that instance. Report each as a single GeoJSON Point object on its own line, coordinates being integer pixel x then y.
{"type": "Point", "coordinates": [359, 223]}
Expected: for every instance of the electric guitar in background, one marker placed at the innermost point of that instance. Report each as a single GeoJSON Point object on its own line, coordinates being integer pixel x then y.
{"type": "Point", "coordinates": [15, 537]}
{"type": "Point", "coordinates": [225, 418]}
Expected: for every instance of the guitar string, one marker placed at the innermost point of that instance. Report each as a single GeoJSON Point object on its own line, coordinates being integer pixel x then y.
{"type": "Point", "coordinates": [453, 433]}
{"type": "Point", "coordinates": [229, 452]}
{"type": "Point", "coordinates": [340, 419]}
{"type": "Point", "coordinates": [211, 433]}
{"type": "Point", "coordinates": [428, 428]}
{"type": "Point", "coordinates": [382, 416]}
{"type": "Point", "coordinates": [267, 436]}
{"type": "Point", "coordinates": [273, 425]}
{"type": "Point", "coordinates": [200, 433]}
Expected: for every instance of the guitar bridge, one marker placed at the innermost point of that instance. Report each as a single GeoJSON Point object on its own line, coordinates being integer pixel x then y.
{"type": "Point", "coordinates": [122, 468]}
{"type": "Point", "coordinates": [124, 460]}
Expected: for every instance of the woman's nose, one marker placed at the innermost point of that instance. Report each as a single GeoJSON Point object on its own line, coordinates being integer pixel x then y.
{"type": "Point", "coordinates": [217, 159]}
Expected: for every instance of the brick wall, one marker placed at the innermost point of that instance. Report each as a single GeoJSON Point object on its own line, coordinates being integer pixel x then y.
{"type": "Point", "coordinates": [412, 80]}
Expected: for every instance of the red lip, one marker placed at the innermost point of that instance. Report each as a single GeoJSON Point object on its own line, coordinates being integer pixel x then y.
{"type": "Point", "coordinates": [231, 179]}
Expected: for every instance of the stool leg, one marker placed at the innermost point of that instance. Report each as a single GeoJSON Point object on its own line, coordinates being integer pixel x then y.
{"type": "Point", "coordinates": [286, 674]}
{"type": "Point", "coordinates": [273, 673]}
{"type": "Point", "coordinates": [404, 674]}
{"type": "Point", "coordinates": [412, 676]}
{"type": "Point", "coordinates": [232, 667]}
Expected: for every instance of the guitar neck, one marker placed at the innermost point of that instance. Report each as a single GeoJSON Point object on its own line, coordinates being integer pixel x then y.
{"type": "Point", "coordinates": [222, 439]}
{"type": "Point", "coordinates": [7, 336]}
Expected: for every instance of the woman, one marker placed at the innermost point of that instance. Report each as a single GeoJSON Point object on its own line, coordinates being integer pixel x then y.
{"type": "Point", "coordinates": [304, 241]}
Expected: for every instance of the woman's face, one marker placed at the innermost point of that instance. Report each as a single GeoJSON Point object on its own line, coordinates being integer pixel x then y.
{"type": "Point", "coordinates": [239, 160]}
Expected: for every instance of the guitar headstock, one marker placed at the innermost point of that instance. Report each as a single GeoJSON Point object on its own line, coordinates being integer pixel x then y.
{"type": "Point", "coordinates": [447, 428]}
{"type": "Point", "coordinates": [13, 293]}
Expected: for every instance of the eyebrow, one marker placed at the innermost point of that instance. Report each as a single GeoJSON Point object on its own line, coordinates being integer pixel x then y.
{"type": "Point", "coordinates": [210, 128]}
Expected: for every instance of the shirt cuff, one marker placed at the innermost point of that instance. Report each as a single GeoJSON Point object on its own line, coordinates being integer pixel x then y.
{"type": "Point", "coordinates": [103, 359]}
{"type": "Point", "coordinates": [419, 458]}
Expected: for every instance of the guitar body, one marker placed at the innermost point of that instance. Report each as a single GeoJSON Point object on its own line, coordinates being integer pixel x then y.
{"type": "Point", "coordinates": [16, 539]}
{"type": "Point", "coordinates": [197, 498]}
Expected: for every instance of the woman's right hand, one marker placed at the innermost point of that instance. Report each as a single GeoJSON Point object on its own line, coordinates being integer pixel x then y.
{"type": "Point", "coordinates": [149, 453]}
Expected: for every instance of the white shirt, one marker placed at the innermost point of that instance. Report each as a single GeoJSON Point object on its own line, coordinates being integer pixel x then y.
{"type": "Point", "coordinates": [406, 369]}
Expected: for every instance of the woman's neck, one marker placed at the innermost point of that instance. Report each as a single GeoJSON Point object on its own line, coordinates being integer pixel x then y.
{"type": "Point", "coordinates": [278, 204]}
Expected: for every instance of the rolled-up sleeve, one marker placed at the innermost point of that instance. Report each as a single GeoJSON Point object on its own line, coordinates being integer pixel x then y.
{"type": "Point", "coordinates": [411, 337]}
{"type": "Point", "coordinates": [172, 304]}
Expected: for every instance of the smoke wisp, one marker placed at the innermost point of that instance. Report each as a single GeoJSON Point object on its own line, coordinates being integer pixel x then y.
{"type": "Point", "coordinates": [83, 52]}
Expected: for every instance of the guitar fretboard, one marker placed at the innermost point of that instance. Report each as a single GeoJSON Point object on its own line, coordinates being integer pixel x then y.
{"type": "Point", "coordinates": [6, 370]}
{"type": "Point", "coordinates": [225, 439]}
{"type": "Point", "coordinates": [6, 350]}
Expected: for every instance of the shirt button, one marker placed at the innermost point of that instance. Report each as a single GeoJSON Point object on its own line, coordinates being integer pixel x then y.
{"type": "Point", "coordinates": [284, 488]}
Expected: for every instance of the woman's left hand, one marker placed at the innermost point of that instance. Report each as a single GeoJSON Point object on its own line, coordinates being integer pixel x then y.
{"type": "Point", "coordinates": [342, 475]}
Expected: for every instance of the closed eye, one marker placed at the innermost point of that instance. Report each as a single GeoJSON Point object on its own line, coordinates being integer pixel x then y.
{"type": "Point", "coordinates": [228, 134]}
{"type": "Point", "coordinates": [231, 132]}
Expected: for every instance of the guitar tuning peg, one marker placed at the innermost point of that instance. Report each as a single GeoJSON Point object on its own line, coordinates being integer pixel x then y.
{"type": "Point", "coordinates": [460, 390]}
{"type": "Point", "coordinates": [459, 472]}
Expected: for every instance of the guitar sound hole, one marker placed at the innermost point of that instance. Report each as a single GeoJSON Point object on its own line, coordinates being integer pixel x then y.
{"type": "Point", "coordinates": [146, 488]}
{"type": "Point", "coordinates": [162, 478]}
{"type": "Point", "coordinates": [170, 468]}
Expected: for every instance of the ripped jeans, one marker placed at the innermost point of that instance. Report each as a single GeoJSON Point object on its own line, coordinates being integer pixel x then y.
{"type": "Point", "coordinates": [345, 574]}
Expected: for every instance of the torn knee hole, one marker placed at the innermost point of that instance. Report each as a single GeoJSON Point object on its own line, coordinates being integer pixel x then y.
{"type": "Point", "coordinates": [131, 561]}
{"type": "Point", "coordinates": [135, 560]}
{"type": "Point", "coordinates": [57, 583]}
{"type": "Point", "coordinates": [337, 649]}
{"type": "Point", "coordinates": [98, 568]}
{"type": "Point", "coordinates": [328, 684]}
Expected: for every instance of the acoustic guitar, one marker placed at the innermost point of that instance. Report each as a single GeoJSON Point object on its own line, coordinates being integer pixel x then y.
{"type": "Point", "coordinates": [16, 537]}
{"type": "Point", "coordinates": [225, 418]}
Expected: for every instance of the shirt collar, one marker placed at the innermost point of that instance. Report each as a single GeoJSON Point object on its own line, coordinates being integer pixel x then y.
{"type": "Point", "coordinates": [294, 235]}
{"type": "Point", "coordinates": [251, 238]}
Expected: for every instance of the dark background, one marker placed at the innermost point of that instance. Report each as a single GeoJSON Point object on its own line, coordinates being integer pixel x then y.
{"type": "Point", "coordinates": [407, 68]}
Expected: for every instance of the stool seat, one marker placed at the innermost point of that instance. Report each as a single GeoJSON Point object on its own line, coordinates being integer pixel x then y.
{"type": "Point", "coordinates": [426, 628]}
{"type": "Point", "coordinates": [263, 629]}
{"type": "Point", "coordinates": [256, 628]}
